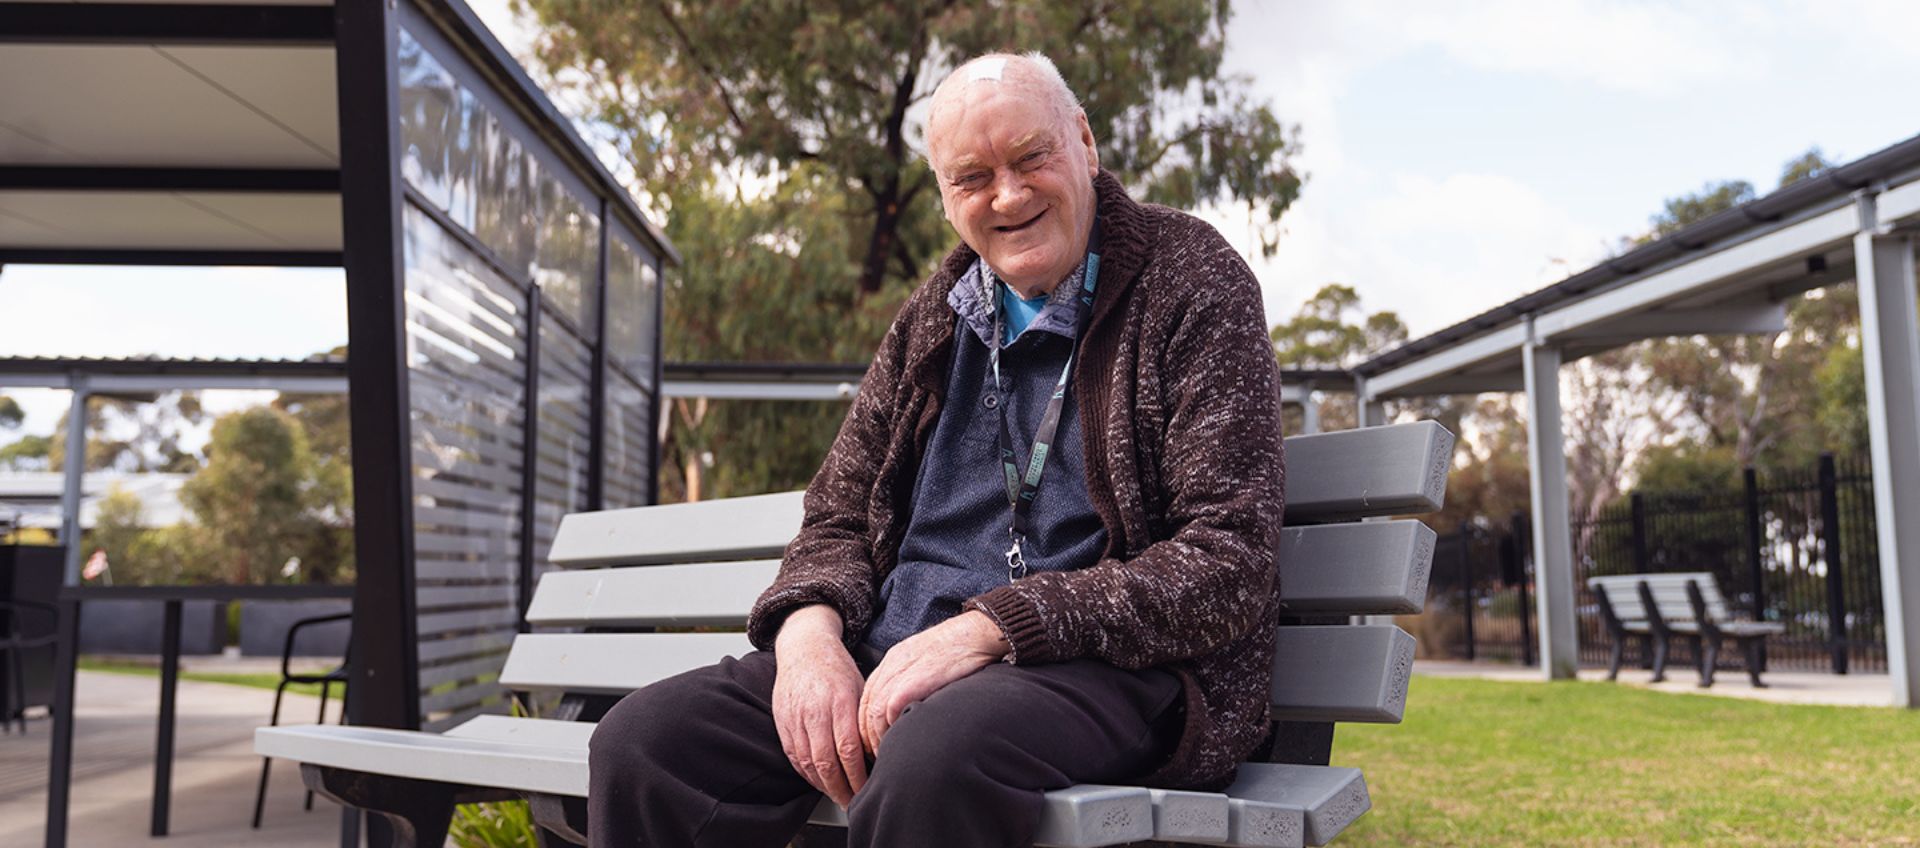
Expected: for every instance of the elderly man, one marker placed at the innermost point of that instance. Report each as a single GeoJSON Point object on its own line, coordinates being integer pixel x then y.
{"type": "Point", "coordinates": [1041, 550]}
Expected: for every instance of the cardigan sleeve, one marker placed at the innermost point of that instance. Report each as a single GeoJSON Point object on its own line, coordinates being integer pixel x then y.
{"type": "Point", "coordinates": [830, 560]}
{"type": "Point", "coordinates": [1215, 574]}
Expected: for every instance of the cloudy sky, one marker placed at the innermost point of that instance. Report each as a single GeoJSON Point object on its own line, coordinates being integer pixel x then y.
{"type": "Point", "coordinates": [1459, 154]}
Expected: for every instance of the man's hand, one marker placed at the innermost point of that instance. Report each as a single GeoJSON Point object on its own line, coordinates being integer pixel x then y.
{"type": "Point", "coordinates": [922, 664]}
{"type": "Point", "coordinates": [816, 698]}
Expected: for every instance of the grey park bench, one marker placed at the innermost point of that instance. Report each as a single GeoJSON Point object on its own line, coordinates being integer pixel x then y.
{"type": "Point", "coordinates": [1664, 608]}
{"type": "Point", "coordinates": [630, 586]}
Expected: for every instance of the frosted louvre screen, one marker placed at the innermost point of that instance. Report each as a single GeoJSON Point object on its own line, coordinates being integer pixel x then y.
{"type": "Point", "coordinates": [568, 255]}
{"type": "Point", "coordinates": [632, 308]}
{"type": "Point", "coordinates": [466, 358]}
{"type": "Point", "coordinates": [564, 451]}
{"type": "Point", "coordinates": [629, 455]}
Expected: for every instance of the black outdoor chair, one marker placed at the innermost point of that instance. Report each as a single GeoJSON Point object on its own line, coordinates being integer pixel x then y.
{"type": "Point", "coordinates": [13, 652]}
{"type": "Point", "coordinates": [287, 677]}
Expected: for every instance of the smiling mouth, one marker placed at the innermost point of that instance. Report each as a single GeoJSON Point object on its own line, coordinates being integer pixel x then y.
{"type": "Point", "coordinates": [1023, 225]}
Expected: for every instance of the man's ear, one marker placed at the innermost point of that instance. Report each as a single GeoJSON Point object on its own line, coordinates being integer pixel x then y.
{"type": "Point", "coordinates": [1086, 140]}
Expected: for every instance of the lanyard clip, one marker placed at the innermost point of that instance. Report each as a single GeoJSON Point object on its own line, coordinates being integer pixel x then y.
{"type": "Point", "coordinates": [1016, 561]}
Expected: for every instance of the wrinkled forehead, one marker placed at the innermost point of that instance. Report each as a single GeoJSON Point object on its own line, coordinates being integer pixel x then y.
{"type": "Point", "coordinates": [986, 121]}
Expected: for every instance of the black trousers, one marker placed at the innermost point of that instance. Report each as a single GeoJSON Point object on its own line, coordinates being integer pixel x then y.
{"type": "Point", "coordinates": [694, 760]}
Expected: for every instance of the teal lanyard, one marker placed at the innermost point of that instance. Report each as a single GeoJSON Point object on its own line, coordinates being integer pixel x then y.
{"type": "Point", "coordinates": [1023, 488]}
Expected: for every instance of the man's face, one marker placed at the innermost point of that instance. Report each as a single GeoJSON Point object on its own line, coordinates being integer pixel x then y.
{"type": "Point", "coordinates": [1016, 180]}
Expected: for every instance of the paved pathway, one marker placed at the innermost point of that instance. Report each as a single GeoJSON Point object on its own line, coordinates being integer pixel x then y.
{"type": "Point", "coordinates": [214, 770]}
{"type": "Point", "coordinates": [1787, 687]}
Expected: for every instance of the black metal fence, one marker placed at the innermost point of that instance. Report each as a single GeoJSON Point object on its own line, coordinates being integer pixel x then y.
{"type": "Point", "coordinates": [1796, 548]}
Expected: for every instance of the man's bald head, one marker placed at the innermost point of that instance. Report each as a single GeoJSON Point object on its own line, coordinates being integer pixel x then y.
{"type": "Point", "coordinates": [1030, 74]}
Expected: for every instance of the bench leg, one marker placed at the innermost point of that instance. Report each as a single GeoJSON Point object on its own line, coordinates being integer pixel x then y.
{"type": "Point", "coordinates": [1709, 660]}
{"type": "Point", "coordinates": [561, 821]}
{"type": "Point", "coordinates": [418, 810]}
{"type": "Point", "coordinates": [1659, 658]}
{"type": "Point", "coordinates": [1613, 657]}
{"type": "Point", "coordinates": [1756, 659]}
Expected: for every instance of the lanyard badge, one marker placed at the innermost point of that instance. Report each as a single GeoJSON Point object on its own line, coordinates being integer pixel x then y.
{"type": "Point", "coordinates": [1024, 486]}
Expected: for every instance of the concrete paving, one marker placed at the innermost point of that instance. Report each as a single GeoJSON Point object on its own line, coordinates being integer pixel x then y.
{"type": "Point", "coordinates": [214, 769]}
{"type": "Point", "coordinates": [1785, 687]}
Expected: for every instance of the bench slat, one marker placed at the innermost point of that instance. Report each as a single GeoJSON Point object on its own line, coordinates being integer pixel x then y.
{"type": "Point", "coordinates": [611, 663]}
{"type": "Point", "coordinates": [1394, 470]}
{"type": "Point", "coordinates": [1297, 804]}
{"type": "Point", "coordinates": [756, 527]}
{"type": "Point", "coordinates": [1371, 568]}
{"type": "Point", "coordinates": [1341, 673]}
{"type": "Point", "coordinates": [1268, 805]}
{"type": "Point", "coordinates": [1317, 670]}
{"type": "Point", "coordinates": [703, 594]}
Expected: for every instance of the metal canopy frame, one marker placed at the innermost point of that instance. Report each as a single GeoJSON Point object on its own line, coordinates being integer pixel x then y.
{"type": "Point", "coordinates": [818, 381]}
{"type": "Point", "coordinates": [1727, 274]}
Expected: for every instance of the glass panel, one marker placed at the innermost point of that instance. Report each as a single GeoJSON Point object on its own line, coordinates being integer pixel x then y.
{"type": "Point", "coordinates": [566, 431]}
{"type": "Point", "coordinates": [466, 357]}
{"type": "Point", "coordinates": [427, 104]}
{"type": "Point", "coordinates": [632, 308]}
{"type": "Point", "coordinates": [569, 250]}
{"type": "Point", "coordinates": [629, 453]}
{"type": "Point", "coordinates": [468, 126]}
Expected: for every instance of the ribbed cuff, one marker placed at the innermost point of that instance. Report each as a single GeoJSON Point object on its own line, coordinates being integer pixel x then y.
{"type": "Point", "coordinates": [1020, 622]}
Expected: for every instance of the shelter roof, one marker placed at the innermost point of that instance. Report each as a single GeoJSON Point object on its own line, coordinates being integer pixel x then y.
{"type": "Point", "coordinates": [1729, 273]}
{"type": "Point", "coordinates": [144, 133]}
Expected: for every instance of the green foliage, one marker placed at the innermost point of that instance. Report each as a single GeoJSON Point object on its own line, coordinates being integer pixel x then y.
{"type": "Point", "coordinates": [10, 413]}
{"type": "Point", "coordinates": [252, 497]}
{"type": "Point", "coordinates": [149, 428]}
{"type": "Point", "coordinates": [694, 91]}
{"type": "Point", "coordinates": [1480, 762]}
{"type": "Point", "coordinates": [28, 453]}
{"type": "Point", "coordinates": [1842, 411]}
{"type": "Point", "coordinates": [117, 526]}
{"type": "Point", "coordinates": [500, 824]}
{"type": "Point", "coordinates": [1688, 467]}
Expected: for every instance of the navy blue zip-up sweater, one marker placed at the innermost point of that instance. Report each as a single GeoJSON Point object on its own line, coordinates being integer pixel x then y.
{"type": "Point", "coordinates": [956, 541]}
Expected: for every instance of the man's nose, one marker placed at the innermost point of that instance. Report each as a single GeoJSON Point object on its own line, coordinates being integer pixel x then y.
{"type": "Point", "coordinates": [1010, 192]}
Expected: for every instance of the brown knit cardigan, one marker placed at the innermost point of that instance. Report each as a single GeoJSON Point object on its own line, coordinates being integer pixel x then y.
{"type": "Point", "coordinates": [1180, 406]}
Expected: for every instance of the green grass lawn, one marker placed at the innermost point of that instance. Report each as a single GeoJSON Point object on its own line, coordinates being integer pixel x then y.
{"type": "Point", "coordinates": [257, 681]}
{"type": "Point", "coordinates": [1480, 762]}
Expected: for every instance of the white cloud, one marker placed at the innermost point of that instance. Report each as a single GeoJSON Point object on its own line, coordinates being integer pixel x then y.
{"type": "Point", "coordinates": [1637, 47]}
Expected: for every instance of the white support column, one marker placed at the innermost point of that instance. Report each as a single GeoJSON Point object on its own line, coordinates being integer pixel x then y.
{"type": "Point", "coordinates": [1890, 341]}
{"type": "Point", "coordinates": [1309, 411]}
{"type": "Point", "coordinates": [75, 469]}
{"type": "Point", "coordinates": [1552, 538]}
{"type": "Point", "coordinates": [1368, 412]}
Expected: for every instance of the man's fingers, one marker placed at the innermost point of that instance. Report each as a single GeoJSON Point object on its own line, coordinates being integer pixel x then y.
{"type": "Point", "coordinates": [826, 761]}
{"type": "Point", "coordinates": [848, 742]}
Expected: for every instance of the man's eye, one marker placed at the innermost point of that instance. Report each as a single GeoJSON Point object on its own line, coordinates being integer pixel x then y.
{"type": "Point", "coordinates": [1033, 158]}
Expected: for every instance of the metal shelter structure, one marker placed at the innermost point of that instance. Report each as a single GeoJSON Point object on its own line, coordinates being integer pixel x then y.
{"type": "Point", "coordinates": [503, 288]}
{"type": "Point", "coordinates": [823, 381]}
{"type": "Point", "coordinates": [1730, 273]}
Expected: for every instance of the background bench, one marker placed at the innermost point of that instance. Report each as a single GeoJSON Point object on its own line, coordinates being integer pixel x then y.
{"type": "Point", "coordinates": [1686, 605]}
{"type": "Point", "coordinates": [629, 574]}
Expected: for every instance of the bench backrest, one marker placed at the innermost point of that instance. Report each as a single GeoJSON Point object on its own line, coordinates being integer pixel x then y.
{"type": "Point", "coordinates": [1669, 593]}
{"type": "Point", "coordinates": [704, 564]}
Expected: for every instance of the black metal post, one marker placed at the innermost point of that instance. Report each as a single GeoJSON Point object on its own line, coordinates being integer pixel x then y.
{"type": "Point", "coordinates": [1641, 564]}
{"type": "Point", "coordinates": [60, 770]}
{"type": "Point", "coordinates": [1754, 568]}
{"type": "Point", "coordinates": [658, 396]}
{"type": "Point", "coordinates": [386, 672]}
{"type": "Point", "coordinates": [597, 415]}
{"type": "Point", "coordinates": [1466, 586]}
{"type": "Point", "coordinates": [530, 455]}
{"type": "Point", "coordinates": [1520, 523]}
{"type": "Point", "coordinates": [163, 741]}
{"type": "Point", "coordinates": [1830, 542]}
